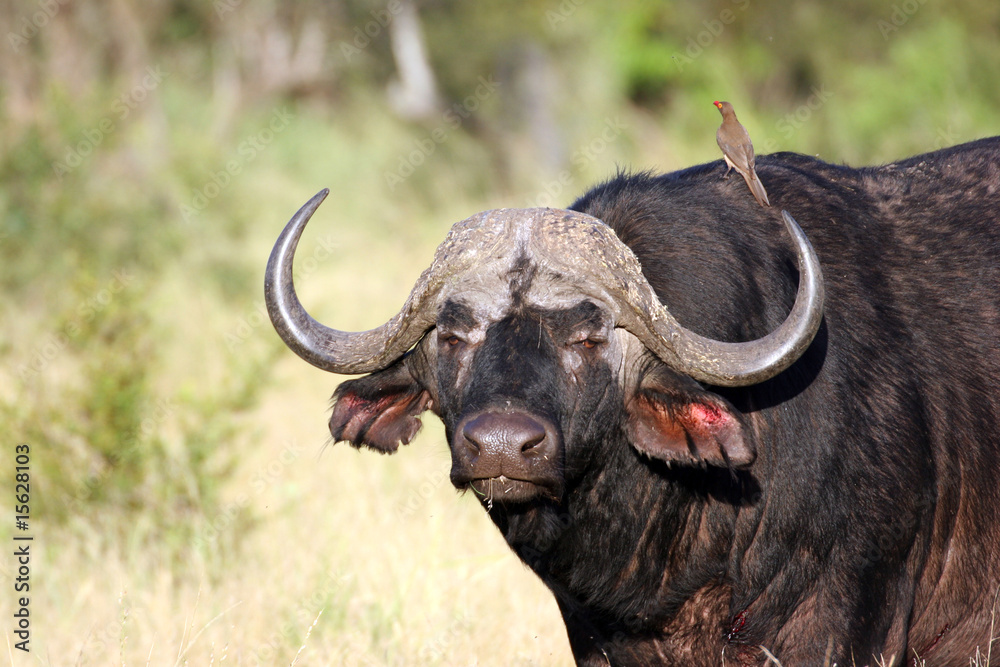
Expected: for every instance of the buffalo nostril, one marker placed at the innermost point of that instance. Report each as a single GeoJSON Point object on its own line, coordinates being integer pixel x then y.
{"type": "Point", "coordinates": [471, 441]}
{"type": "Point", "coordinates": [533, 441]}
{"type": "Point", "coordinates": [503, 434]}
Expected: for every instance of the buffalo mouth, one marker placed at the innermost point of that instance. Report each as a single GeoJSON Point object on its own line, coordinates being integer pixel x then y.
{"type": "Point", "coordinates": [507, 457]}
{"type": "Point", "coordinates": [503, 490]}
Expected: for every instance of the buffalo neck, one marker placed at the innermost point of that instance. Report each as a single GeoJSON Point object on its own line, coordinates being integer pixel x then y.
{"type": "Point", "coordinates": [671, 537]}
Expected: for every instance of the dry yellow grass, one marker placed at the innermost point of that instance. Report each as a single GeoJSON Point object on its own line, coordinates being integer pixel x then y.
{"type": "Point", "coordinates": [337, 573]}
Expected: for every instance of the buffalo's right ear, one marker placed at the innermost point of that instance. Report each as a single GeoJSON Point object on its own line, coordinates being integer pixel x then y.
{"type": "Point", "coordinates": [674, 419]}
{"type": "Point", "coordinates": [379, 410]}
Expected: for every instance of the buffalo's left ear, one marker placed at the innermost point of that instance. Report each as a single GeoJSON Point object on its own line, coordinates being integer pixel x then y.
{"type": "Point", "coordinates": [379, 410]}
{"type": "Point", "coordinates": [674, 420]}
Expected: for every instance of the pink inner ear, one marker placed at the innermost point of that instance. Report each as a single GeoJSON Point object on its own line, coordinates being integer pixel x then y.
{"type": "Point", "coordinates": [690, 431]}
{"type": "Point", "coordinates": [356, 413]}
{"type": "Point", "coordinates": [398, 423]}
{"type": "Point", "coordinates": [380, 424]}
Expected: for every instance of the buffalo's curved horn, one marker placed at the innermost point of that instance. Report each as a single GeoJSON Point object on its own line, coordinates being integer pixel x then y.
{"type": "Point", "coordinates": [711, 361]}
{"type": "Point", "coordinates": [330, 349]}
{"type": "Point", "coordinates": [598, 258]}
{"type": "Point", "coordinates": [742, 364]}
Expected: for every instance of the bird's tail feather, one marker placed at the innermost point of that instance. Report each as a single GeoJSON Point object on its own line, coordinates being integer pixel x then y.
{"type": "Point", "coordinates": [757, 188]}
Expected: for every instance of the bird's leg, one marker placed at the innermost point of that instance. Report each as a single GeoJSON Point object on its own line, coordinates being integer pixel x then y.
{"type": "Point", "coordinates": [729, 167]}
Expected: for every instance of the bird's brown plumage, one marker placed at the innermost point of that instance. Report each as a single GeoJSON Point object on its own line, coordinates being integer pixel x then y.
{"type": "Point", "coordinates": [738, 151]}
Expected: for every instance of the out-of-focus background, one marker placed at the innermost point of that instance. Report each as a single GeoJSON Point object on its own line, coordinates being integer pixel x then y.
{"type": "Point", "coordinates": [184, 506]}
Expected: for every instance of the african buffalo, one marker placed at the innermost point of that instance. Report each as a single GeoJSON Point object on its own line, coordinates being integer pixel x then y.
{"type": "Point", "coordinates": [711, 449]}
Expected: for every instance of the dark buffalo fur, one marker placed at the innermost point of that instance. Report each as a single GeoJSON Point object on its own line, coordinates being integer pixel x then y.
{"type": "Point", "coordinates": [858, 517]}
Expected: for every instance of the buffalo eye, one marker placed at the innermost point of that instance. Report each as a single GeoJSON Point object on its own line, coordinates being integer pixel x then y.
{"type": "Point", "coordinates": [589, 343]}
{"type": "Point", "coordinates": [450, 340]}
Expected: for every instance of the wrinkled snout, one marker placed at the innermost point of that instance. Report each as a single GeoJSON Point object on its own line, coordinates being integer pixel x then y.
{"type": "Point", "coordinates": [507, 456]}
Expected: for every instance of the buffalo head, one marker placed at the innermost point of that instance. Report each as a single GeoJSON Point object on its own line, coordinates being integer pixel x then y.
{"type": "Point", "coordinates": [533, 335]}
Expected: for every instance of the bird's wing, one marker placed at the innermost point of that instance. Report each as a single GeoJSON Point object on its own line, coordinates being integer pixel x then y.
{"type": "Point", "coordinates": [738, 153]}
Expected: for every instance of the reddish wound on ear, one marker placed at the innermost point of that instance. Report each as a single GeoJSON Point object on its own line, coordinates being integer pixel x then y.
{"type": "Point", "coordinates": [369, 407]}
{"type": "Point", "coordinates": [705, 413]}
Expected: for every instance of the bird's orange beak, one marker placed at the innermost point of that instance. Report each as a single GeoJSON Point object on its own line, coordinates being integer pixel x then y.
{"type": "Point", "coordinates": [718, 104]}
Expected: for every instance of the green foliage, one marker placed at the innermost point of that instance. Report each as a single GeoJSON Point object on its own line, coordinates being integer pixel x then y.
{"type": "Point", "coordinates": [90, 249]}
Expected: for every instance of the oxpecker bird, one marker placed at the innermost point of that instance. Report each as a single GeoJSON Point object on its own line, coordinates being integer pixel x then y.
{"type": "Point", "coordinates": [738, 151]}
